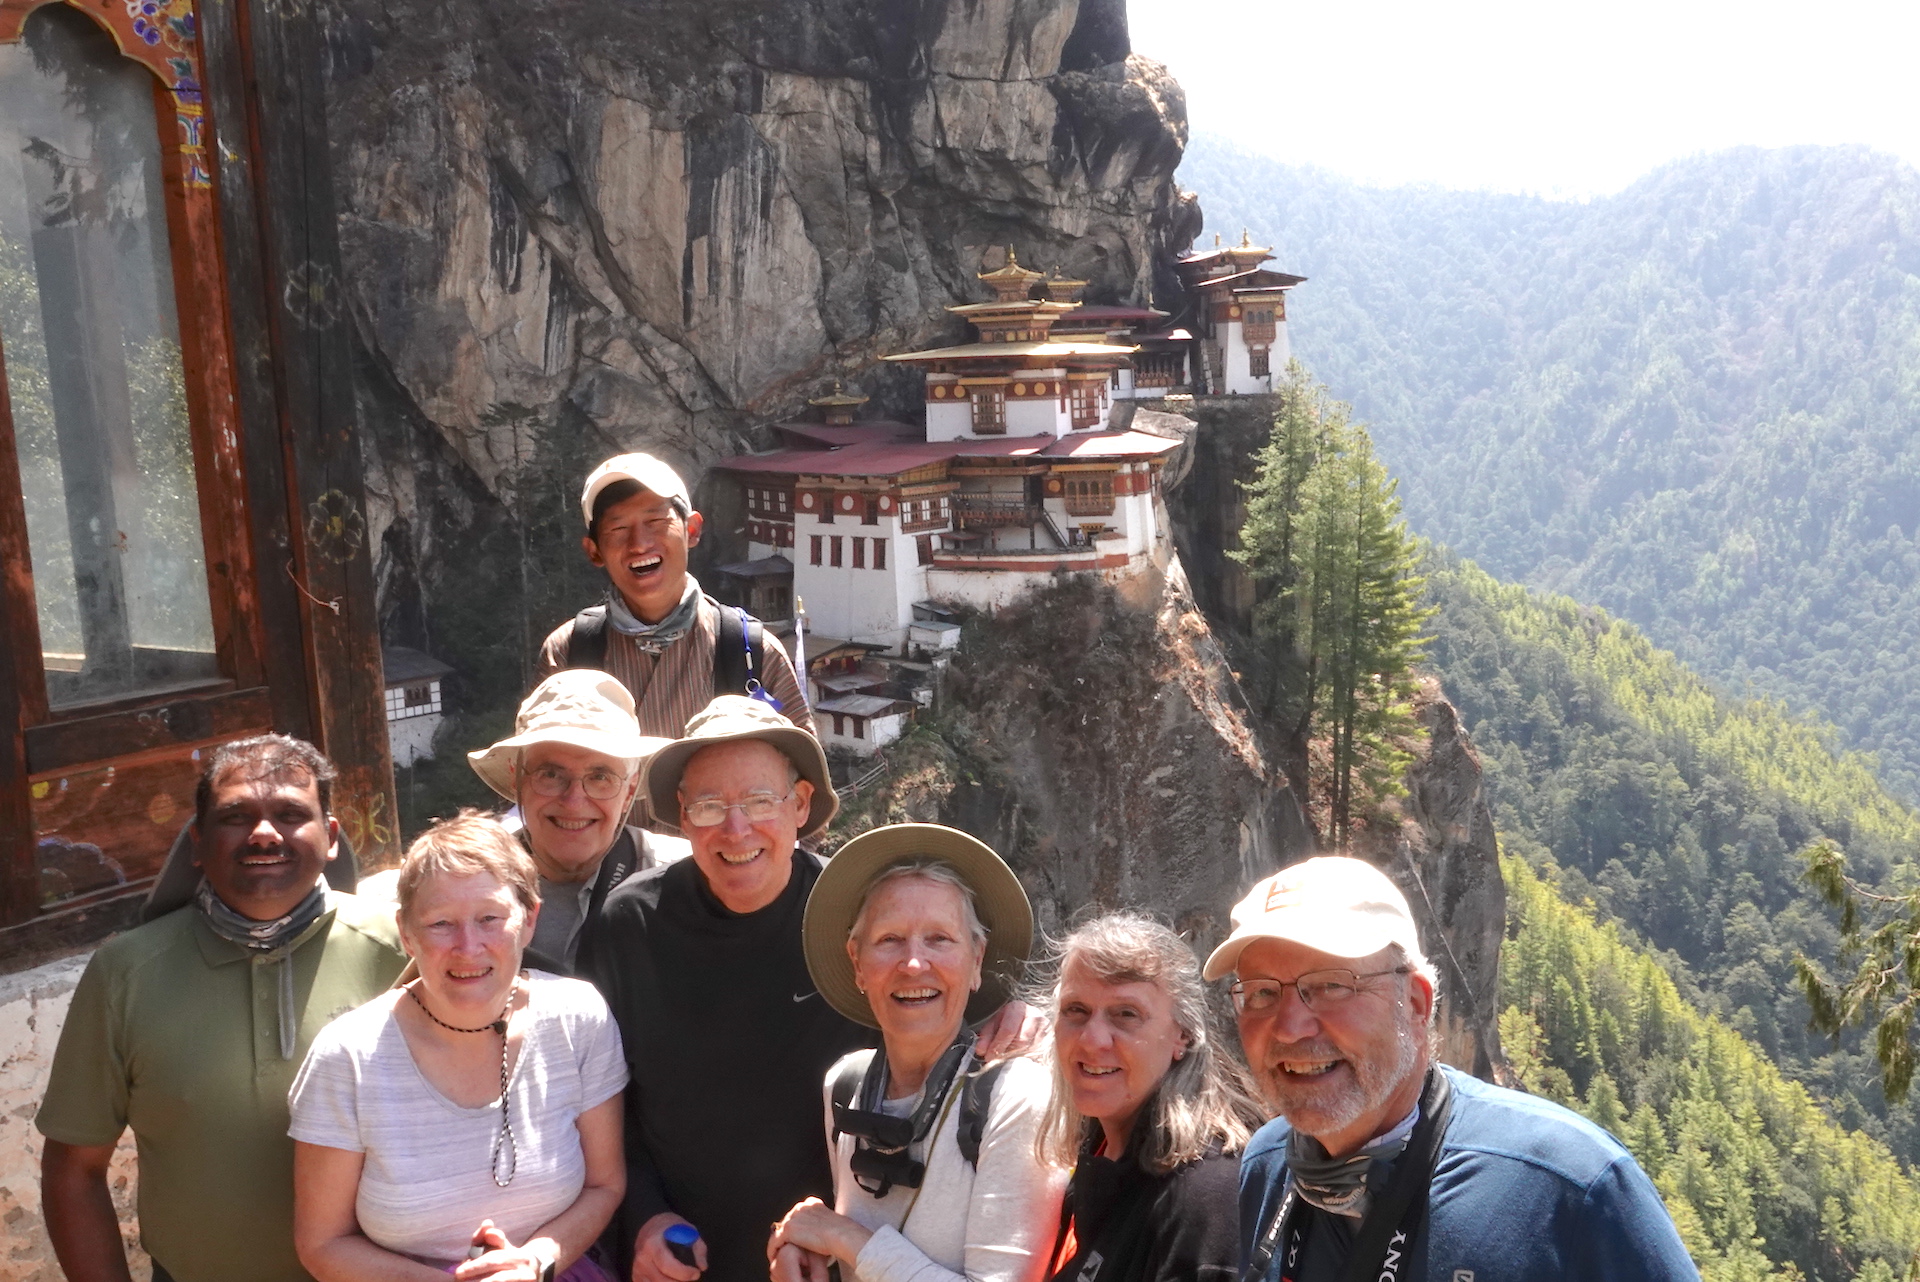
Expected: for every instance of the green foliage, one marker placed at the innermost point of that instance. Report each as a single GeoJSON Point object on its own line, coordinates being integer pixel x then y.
{"type": "Point", "coordinates": [1323, 535]}
{"type": "Point", "coordinates": [1674, 810]}
{"type": "Point", "coordinates": [1884, 990]}
{"type": "Point", "coordinates": [1760, 1180]}
{"type": "Point", "coordinates": [1692, 402]}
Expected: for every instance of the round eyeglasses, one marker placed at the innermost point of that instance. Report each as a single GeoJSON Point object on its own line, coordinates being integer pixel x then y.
{"type": "Point", "coordinates": [599, 783]}
{"type": "Point", "coordinates": [708, 811]}
{"type": "Point", "coordinates": [1318, 991]}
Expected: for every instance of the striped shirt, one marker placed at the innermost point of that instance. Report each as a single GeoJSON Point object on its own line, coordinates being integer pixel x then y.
{"type": "Point", "coordinates": [671, 688]}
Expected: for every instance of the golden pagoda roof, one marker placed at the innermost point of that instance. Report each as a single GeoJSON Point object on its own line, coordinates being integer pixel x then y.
{"type": "Point", "coordinates": [1010, 272]}
{"type": "Point", "coordinates": [838, 397]}
{"type": "Point", "coordinates": [968, 351]}
{"type": "Point", "coordinates": [1038, 307]}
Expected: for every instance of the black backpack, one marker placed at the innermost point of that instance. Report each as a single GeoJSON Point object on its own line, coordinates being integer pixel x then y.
{"type": "Point", "coordinates": [737, 652]}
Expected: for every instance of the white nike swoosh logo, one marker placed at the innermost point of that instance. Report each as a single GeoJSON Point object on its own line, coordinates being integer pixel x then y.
{"type": "Point", "coordinates": [801, 997]}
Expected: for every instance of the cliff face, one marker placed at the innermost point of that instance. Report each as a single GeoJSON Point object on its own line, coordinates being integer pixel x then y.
{"type": "Point", "coordinates": [571, 228]}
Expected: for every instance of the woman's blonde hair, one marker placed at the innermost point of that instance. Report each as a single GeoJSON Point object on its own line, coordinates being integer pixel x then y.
{"type": "Point", "coordinates": [1206, 1098]}
{"type": "Point", "coordinates": [470, 843]}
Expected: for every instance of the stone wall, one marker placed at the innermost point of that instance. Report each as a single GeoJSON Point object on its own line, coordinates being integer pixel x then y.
{"type": "Point", "coordinates": [33, 1005]}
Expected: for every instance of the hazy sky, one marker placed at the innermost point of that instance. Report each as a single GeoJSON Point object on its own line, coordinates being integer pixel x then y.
{"type": "Point", "coordinates": [1568, 97]}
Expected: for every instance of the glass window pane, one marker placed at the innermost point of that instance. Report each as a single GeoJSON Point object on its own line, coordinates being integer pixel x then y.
{"type": "Point", "coordinates": [92, 345]}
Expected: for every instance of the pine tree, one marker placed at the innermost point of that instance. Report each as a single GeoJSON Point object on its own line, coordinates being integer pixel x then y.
{"type": "Point", "coordinates": [1324, 537]}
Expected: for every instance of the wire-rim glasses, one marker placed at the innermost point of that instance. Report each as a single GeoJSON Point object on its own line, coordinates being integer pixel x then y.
{"type": "Point", "coordinates": [1318, 990]}
{"type": "Point", "coordinates": [709, 811]}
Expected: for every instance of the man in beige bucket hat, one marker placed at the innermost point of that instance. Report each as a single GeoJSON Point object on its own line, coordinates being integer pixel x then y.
{"type": "Point", "coordinates": [727, 1039]}
{"type": "Point", "coordinates": [572, 769]}
{"type": "Point", "coordinates": [670, 644]}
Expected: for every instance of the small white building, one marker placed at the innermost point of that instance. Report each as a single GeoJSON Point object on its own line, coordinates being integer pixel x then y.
{"type": "Point", "coordinates": [1240, 319]}
{"type": "Point", "coordinates": [414, 710]}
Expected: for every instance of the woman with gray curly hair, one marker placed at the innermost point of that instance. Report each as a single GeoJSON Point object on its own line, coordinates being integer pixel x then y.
{"type": "Point", "coordinates": [1148, 1108]}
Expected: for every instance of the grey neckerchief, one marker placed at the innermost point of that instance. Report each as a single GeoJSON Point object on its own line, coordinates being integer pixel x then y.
{"type": "Point", "coordinates": [264, 937]}
{"type": "Point", "coordinates": [654, 638]}
{"type": "Point", "coordinates": [1345, 1185]}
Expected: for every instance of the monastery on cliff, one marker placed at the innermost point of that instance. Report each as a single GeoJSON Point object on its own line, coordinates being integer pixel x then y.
{"type": "Point", "coordinates": [880, 526]}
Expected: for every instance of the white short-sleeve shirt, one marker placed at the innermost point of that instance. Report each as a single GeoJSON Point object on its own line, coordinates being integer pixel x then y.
{"type": "Point", "coordinates": [428, 1181]}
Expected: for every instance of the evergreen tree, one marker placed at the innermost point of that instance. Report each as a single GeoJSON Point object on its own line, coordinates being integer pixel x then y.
{"type": "Point", "coordinates": [1342, 610]}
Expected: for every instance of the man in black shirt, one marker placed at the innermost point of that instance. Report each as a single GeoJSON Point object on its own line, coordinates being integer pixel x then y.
{"type": "Point", "coordinates": [727, 1041]}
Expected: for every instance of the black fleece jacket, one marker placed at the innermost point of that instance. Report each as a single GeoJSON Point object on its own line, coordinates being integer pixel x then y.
{"type": "Point", "coordinates": [728, 1045]}
{"type": "Point", "coordinates": [1132, 1226]}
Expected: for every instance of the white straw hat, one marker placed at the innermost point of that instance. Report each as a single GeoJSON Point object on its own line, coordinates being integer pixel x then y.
{"type": "Point", "coordinates": [644, 470]}
{"type": "Point", "coordinates": [1335, 905]}
{"type": "Point", "coordinates": [578, 707]}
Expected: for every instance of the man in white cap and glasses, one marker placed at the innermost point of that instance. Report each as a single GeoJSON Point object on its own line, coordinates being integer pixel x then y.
{"type": "Point", "coordinates": [1383, 1164]}
{"type": "Point", "coordinates": [669, 643]}
{"type": "Point", "coordinates": [572, 768]}
{"type": "Point", "coordinates": [727, 1040]}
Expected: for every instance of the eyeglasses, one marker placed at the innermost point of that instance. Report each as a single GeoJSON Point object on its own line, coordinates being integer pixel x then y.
{"type": "Point", "coordinates": [1318, 991]}
{"type": "Point", "coordinates": [599, 783]}
{"type": "Point", "coordinates": [708, 811]}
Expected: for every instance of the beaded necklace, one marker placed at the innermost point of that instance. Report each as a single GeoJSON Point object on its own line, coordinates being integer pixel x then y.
{"type": "Point", "coordinates": [503, 1142]}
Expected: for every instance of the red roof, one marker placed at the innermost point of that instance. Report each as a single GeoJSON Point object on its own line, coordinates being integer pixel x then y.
{"type": "Point", "coordinates": [890, 458]}
{"type": "Point", "coordinates": [1075, 320]}
{"type": "Point", "coordinates": [1258, 278]}
{"type": "Point", "coordinates": [1099, 445]}
{"type": "Point", "coordinates": [834, 435]}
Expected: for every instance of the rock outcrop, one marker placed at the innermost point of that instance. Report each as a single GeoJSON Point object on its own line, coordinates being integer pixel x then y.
{"type": "Point", "coordinates": [572, 228]}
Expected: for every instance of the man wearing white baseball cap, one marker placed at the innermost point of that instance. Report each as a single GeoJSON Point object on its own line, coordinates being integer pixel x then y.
{"type": "Point", "coordinates": [670, 644]}
{"type": "Point", "coordinates": [1382, 1163]}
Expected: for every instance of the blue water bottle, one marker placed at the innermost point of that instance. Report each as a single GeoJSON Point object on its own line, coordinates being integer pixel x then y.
{"type": "Point", "coordinates": [680, 1239]}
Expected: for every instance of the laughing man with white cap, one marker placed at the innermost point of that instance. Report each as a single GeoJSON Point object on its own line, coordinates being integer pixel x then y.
{"type": "Point", "coordinates": [1382, 1163]}
{"type": "Point", "coordinates": [673, 647]}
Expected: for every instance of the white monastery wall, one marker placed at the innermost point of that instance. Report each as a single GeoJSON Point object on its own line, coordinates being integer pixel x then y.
{"type": "Point", "coordinates": [1041, 416]}
{"type": "Point", "coordinates": [859, 604]}
{"type": "Point", "coordinates": [410, 739]}
{"type": "Point", "coordinates": [949, 420]}
{"type": "Point", "coordinates": [33, 1007]}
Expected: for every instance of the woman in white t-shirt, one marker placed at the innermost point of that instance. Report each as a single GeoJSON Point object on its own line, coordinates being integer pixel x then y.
{"type": "Point", "coordinates": [473, 1112]}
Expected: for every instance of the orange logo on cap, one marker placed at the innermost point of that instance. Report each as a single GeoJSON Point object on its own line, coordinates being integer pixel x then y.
{"type": "Point", "coordinates": [1281, 896]}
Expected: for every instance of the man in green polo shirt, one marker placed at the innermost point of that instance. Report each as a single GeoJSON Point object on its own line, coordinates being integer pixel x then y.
{"type": "Point", "coordinates": [190, 1029]}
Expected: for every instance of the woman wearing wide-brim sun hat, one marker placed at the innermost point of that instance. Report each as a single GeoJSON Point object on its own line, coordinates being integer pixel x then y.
{"type": "Point", "coordinates": [919, 930]}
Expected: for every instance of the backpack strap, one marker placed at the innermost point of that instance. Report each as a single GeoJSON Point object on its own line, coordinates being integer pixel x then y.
{"type": "Point", "coordinates": [846, 1083]}
{"type": "Point", "coordinates": [587, 643]}
{"type": "Point", "coordinates": [739, 652]}
{"type": "Point", "coordinates": [976, 1099]}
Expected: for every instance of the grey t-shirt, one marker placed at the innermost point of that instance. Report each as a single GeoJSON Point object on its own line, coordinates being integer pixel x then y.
{"type": "Point", "coordinates": [427, 1181]}
{"type": "Point", "coordinates": [563, 907]}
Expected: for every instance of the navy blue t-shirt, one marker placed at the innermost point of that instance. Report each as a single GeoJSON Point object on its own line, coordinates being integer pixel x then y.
{"type": "Point", "coordinates": [1525, 1191]}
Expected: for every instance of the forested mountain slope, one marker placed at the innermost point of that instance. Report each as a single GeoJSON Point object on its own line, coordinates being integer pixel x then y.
{"type": "Point", "coordinates": [1673, 810]}
{"type": "Point", "coordinates": [1693, 402]}
{"type": "Point", "coordinates": [1760, 1180]}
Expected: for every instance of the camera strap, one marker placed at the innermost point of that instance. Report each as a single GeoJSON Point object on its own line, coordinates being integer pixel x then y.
{"type": "Point", "coordinates": [1381, 1244]}
{"type": "Point", "coordinates": [882, 1142]}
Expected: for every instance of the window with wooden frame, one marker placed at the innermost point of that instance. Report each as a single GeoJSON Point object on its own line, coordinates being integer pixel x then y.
{"type": "Point", "coordinates": [123, 514]}
{"type": "Point", "coordinates": [1256, 324]}
{"type": "Point", "coordinates": [815, 558]}
{"type": "Point", "coordinates": [924, 546]}
{"type": "Point", "coordinates": [1257, 363]}
{"type": "Point", "coordinates": [1089, 493]}
{"type": "Point", "coordinates": [834, 549]}
{"type": "Point", "coordinates": [859, 553]}
{"type": "Point", "coordinates": [879, 554]}
{"type": "Point", "coordinates": [1086, 404]}
{"type": "Point", "coordinates": [989, 411]}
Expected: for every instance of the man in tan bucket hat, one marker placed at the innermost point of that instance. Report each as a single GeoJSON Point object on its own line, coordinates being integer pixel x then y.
{"type": "Point", "coordinates": [727, 1040]}
{"type": "Point", "coordinates": [572, 769]}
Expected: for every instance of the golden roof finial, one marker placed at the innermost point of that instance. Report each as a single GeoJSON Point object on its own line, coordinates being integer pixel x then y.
{"type": "Point", "coordinates": [1246, 239]}
{"type": "Point", "coordinates": [1216, 240]}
